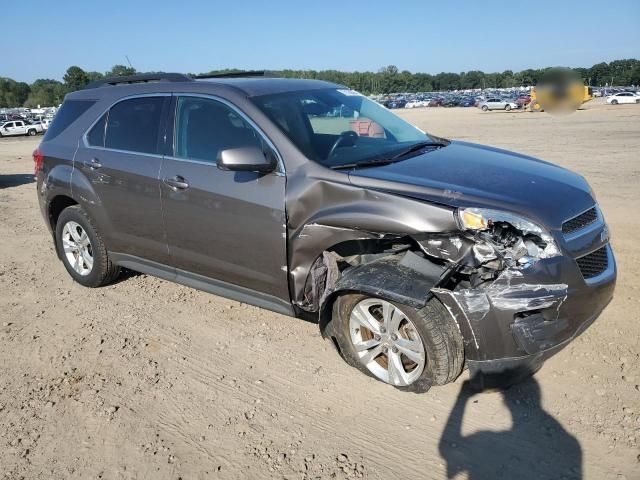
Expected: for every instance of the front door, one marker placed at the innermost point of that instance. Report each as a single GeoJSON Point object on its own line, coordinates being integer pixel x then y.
{"type": "Point", "coordinates": [222, 225]}
{"type": "Point", "coordinates": [7, 129]}
{"type": "Point", "coordinates": [121, 158]}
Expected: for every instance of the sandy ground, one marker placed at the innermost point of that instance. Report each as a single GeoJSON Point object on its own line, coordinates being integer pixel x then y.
{"type": "Point", "coordinates": [148, 379]}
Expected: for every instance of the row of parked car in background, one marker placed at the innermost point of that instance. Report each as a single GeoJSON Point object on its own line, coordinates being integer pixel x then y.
{"type": "Point", "coordinates": [492, 99]}
{"type": "Point", "coordinates": [24, 121]}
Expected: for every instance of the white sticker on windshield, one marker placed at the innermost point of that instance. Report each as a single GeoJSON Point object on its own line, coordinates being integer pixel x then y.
{"type": "Point", "coordinates": [349, 93]}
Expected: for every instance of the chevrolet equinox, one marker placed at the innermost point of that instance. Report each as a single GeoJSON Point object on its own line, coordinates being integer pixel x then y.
{"type": "Point", "coordinates": [416, 255]}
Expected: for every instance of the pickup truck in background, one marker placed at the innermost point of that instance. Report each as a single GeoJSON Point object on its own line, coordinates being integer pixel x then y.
{"type": "Point", "coordinates": [19, 127]}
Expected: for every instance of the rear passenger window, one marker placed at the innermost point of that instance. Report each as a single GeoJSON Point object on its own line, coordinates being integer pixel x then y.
{"type": "Point", "coordinates": [96, 135]}
{"type": "Point", "coordinates": [204, 127]}
{"type": "Point", "coordinates": [133, 125]}
{"type": "Point", "coordinates": [69, 112]}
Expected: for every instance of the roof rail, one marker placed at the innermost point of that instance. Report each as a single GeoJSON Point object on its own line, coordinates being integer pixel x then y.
{"type": "Point", "coordinates": [140, 78]}
{"type": "Point", "coordinates": [248, 73]}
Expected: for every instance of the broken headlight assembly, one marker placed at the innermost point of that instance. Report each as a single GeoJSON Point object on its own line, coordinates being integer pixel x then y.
{"type": "Point", "coordinates": [505, 236]}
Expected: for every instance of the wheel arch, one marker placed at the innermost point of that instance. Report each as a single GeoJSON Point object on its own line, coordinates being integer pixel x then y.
{"type": "Point", "coordinates": [55, 207]}
{"type": "Point", "coordinates": [404, 278]}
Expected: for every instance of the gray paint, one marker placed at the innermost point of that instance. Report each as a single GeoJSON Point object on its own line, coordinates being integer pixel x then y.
{"type": "Point", "coordinates": [255, 237]}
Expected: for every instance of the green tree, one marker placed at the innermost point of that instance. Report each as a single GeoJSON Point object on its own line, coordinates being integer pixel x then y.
{"type": "Point", "coordinates": [120, 71]}
{"type": "Point", "coordinates": [93, 76]}
{"type": "Point", "coordinates": [45, 92]}
{"type": "Point", "coordinates": [75, 78]}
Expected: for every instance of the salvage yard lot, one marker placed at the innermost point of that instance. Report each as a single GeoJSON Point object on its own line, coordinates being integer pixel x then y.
{"type": "Point", "coordinates": [148, 379]}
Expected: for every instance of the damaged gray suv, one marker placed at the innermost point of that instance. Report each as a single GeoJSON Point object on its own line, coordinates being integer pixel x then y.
{"type": "Point", "coordinates": [417, 256]}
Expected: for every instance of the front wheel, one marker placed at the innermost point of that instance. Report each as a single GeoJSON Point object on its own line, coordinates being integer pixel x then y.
{"type": "Point", "coordinates": [31, 133]}
{"type": "Point", "coordinates": [485, 108]}
{"type": "Point", "coordinates": [82, 250]}
{"type": "Point", "coordinates": [614, 102]}
{"type": "Point", "coordinates": [405, 347]}
{"type": "Point", "coordinates": [507, 107]}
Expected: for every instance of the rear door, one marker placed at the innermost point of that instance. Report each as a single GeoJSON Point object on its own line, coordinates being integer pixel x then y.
{"type": "Point", "coordinates": [222, 225]}
{"type": "Point", "coordinates": [121, 158]}
{"type": "Point", "coordinates": [19, 128]}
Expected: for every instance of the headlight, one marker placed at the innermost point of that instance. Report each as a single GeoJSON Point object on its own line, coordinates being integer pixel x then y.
{"type": "Point", "coordinates": [538, 242]}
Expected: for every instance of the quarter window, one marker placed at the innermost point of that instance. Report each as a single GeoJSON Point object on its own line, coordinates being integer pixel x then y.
{"type": "Point", "coordinates": [134, 125]}
{"type": "Point", "coordinates": [70, 111]}
{"type": "Point", "coordinates": [96, 135]}
{"type": "Point", "coordinates": [205, 127]}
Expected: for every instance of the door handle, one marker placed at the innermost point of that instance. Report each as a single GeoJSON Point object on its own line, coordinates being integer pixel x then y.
{"type": "Point", "coordinates": [176, 183]}
{"type": "Point", "coordinates": [93, 164]}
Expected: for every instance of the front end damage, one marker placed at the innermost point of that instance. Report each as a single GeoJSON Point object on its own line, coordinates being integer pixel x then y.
{"type": "Point", "coordinates": [516, 296]}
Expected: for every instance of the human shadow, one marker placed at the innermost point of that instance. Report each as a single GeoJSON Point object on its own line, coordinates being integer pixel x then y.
{"type": "Point", "coordinates": [535, 447]}
{"type": "Point", "coordinates": [15, 180]}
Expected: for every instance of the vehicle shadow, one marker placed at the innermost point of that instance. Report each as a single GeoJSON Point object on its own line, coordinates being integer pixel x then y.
{"type": "Point", "coordinates": [15, 180]}
{"type": "Point", "coordinates": [535, 447]}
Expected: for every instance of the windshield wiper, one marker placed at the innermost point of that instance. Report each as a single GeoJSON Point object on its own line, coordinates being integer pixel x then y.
{"type": "Point", "coordinates": [376, 162]}
{"type": "Point", "coordinates": [416, 147]}
{"type": "Point", "coordinates": [363, 164]}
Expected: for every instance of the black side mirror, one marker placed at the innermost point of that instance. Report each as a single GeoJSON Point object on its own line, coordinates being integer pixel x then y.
{"type": "Point", "coordinates": [246, 159]}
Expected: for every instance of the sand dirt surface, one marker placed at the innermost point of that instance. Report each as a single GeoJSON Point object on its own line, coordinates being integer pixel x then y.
{"type": "Point", "coordinates": [148, 379]}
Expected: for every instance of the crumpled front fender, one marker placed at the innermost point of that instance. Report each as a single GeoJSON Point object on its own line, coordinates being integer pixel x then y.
{"type": "Point", "coordinates": [404, 278]}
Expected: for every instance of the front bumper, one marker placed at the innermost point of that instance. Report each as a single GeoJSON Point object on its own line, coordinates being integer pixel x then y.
{"type": "Point", "coordinates": [506, 371]}
{"type": "Point", "coordinates": [528, 315]}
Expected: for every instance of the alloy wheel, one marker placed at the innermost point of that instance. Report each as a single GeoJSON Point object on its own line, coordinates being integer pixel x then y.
{"type": "Point", "coordinates": [77, 248]}
{"type": "Point", "coordinates": [387, 342]}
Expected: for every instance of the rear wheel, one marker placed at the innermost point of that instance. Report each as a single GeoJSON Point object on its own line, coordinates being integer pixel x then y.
{"type": "Point", "coordinates": [408, 348]}
{"type": "Point", "coordinates": [82, 250]}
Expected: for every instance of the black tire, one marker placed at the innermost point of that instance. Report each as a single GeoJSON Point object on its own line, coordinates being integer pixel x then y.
{"type": "Point", "coordinates": [103, 271]}
{"type": "Point", "coordinates": [507, 107]}
{"type": "Point", "coordinates": [32, 132]}
{"type": "Point", "coordinates": [438, 331]}
{"type": "Point", "coordinates": [614, 102]}
{"type": "Point", "coordinates": [485, 108]}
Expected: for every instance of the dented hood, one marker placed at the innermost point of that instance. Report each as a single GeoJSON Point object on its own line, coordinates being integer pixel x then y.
{"type": "Point", "coordinates": [465, 174]}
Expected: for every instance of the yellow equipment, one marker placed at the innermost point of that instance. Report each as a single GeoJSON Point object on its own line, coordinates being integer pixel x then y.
{"type": "Point", "coordinates": [559, 97]}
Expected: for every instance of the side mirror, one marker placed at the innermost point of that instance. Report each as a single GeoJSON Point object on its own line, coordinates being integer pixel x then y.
{"type": "Point", "coordinates": [246, 159]}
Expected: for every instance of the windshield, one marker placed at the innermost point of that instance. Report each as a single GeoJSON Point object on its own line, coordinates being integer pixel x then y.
{"type": "Point", "coordinates": [337, 127]}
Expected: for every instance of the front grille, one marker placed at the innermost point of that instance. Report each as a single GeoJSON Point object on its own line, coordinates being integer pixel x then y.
{"type": "Point", "coordinates": [581, 221]}
{"type": "Point", "coordinates": [594, 264]}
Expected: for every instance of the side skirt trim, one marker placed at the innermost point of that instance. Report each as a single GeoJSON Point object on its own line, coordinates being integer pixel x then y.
{"type": "Point", "coordinates": [206, 284]}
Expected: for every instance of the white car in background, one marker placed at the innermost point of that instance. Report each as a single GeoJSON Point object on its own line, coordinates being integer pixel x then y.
{"type": "Point", "coordinates": [19, 127]}
{"type": "Point", "coordinates": [623, 97]}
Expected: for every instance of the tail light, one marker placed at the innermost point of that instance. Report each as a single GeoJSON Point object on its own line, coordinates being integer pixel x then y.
{"type": "Point", "coordinates": [37, 160]}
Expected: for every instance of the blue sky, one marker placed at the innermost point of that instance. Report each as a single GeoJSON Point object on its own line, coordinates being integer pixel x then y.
{"type": "Point", "coordinates": [197, 36]}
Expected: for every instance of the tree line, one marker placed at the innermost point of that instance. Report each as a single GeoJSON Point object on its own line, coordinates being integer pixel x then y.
{"type": "Point", "coordinates": [389, 79]}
